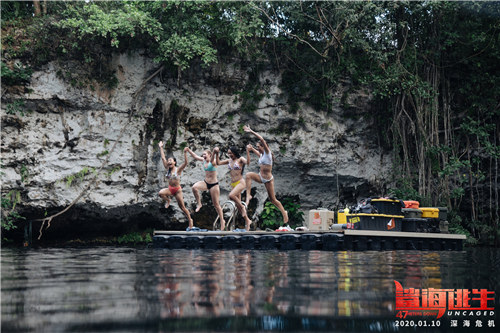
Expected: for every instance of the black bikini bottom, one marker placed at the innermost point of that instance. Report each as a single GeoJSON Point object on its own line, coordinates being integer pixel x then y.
{"type": "Point", "coordinates": [209, 186]}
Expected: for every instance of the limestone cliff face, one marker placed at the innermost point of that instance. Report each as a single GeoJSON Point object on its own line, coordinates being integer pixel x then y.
{"type": "Point", "coordinates": [56, 141]}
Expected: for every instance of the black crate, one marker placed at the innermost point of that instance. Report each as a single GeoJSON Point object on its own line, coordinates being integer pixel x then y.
{"type": "Point", "coordinates": [412, 213]}
{"type": "Point", "coordinates": [414, 225]}
{"type": "Point", "coordinates": [387, 206]}
{"type": "Point", "coordinates": [443, 213]}
{"type": "Point", "coordinates": [380, 222]}
{"type": "Point", "coordinates": [420, 225]}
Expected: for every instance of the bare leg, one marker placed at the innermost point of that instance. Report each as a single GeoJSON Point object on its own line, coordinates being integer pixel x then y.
{"type": "Point", "coordinates": [165, 195]}
{"type": "Point", "coordinates": [272, 197]}
{"type": "Point", "coordinates": [215, 194]}
{"type": "Point", "coordinates": [235, 196]}
{"type": "Point", "coordinates": [248, 179]}
{"type": "Point", "coordinates": [180, 202]}
{"type": "Point", "coordinates": [199, 186]}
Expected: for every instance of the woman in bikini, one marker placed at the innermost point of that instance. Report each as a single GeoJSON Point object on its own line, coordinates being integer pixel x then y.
{"type": "Point", "coordinates": [265, 175]}
{"type": "Point", "coordinates": [209, 184]}
{"type": "Point", "coordinates": [174, 182]}
{"type": "Point", "coordinates": [236, 164]}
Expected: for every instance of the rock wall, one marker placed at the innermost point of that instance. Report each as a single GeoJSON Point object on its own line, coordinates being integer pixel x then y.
{"type": "Point", "coordinates": [55, 143]}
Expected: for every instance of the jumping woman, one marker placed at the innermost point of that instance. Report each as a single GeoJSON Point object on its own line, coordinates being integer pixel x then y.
{"type": "Point", "coordinates": [265, 175]}
{"type": "Point", "coordinates": [174, 182]}
{"type": "Point", "coordinates": [236, 164]}
{"type": "Point", "coordinates": [209, 184]}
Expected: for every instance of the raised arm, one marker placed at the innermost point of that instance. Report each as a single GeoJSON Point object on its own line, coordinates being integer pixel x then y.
{"type": "Point", "coordinates": [181, 168]}
{"type": "Point", "coordinates": [247, 129]}
{"type": "Point", "coordinates": [196, 157]}
{"type": "Point", "coordinates": [219, 162]}
{"type": "Point", "coordinates": [213, 160]}
{"type": "Point", "coordinates": [163, 158]}
{"type": "Point", "coordinates": [251, 148]}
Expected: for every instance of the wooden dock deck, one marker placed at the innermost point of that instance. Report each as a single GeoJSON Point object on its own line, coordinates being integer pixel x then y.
{"type": "Point", "coordinates": [334, 240]}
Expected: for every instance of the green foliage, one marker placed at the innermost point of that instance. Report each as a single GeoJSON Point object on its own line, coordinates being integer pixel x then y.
{"type": "Point", "coordinates": [135, 238]}
{"type": "Point", "coordinates": [19, 75]}
{"type": "Point", "coordinates": [113, 170]}
{"type": "Point", "coordinates": [9, 214]}
{"type": "Point", "coordinates": [250, 98]}
{"type": "Point", "coordinates": [111, 21]}
{"type": "Point", "coordinates": [456, 226]}
{"type": "Point", "coordinates": [24, 173]}
{"type": "Point", "coordinates": [16, 107]}
{"type": "Point", "coordinates": [405, 190]}
{"type": "Point", "coordinates": [111, 81]}
{"type": "Point", "coordinates": [78, 177]}
{"type": "Point", "coordinates": [240, 129]}
{"type": "Point", "coordinates": [12, 10]}
{"type": "Point", "coordinates": [103, 153]}
{"type": "Point", "coordinates": [482, 131]}
{"type": "Point", "coordinates": [271, 217]}
{"type": "Point", "coordinates": [176, 32]}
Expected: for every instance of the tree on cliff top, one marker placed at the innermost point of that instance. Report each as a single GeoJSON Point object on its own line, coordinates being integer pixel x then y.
{"type": "Point", "coordinates": [175, 32]}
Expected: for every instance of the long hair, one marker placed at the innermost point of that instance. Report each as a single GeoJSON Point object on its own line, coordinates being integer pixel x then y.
{"type": "Point", "coordinates": [235, 151]}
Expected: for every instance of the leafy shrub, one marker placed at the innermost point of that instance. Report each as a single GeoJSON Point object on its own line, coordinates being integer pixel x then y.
{"type": "Point", "coordinates": [135, 238]}
{"type": "Point", "coordinates": [456, 227]}
{"type": "Point", "coordinates": [271, 216]}
{"type": "Point", "coordinates": [405, 191]}
{"type": "Point", "coordinates": [9, 214]}
{"type": "Point", "coordinates": [16, 107]}
{"type": "Point", "coordinates": [18, 75]}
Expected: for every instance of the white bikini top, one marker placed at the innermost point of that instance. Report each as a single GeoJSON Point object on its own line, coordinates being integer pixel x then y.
{"type": "Point", "coordinates": [266, 159]}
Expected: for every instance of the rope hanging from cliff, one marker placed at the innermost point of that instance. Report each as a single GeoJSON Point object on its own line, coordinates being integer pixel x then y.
{"type": "Point", "coordinates": [95, 180]}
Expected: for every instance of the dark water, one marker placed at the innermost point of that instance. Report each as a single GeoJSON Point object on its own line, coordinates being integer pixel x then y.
{"type": "Point", "coordinates": [116, 289]}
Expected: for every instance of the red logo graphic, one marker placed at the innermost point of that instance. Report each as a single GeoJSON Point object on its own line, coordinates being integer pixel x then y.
{"type": "Point", "coordinates": [429, 302]}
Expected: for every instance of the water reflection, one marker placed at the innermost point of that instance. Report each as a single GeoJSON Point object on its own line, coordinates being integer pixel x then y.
{"type": "Point", "coordinates": [122, 289]}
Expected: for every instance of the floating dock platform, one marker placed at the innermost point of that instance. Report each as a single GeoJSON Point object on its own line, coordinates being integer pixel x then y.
{"type": "Point", "coordinates": [337, 240]}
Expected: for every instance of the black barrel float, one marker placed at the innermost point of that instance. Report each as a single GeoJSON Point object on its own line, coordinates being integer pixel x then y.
{"type": "Point", "coordinates": [193, 242]}
{"type": "Point", "coordinates": [160, 241]}
{"type": "Point", "coordinates": [450, 245]}
{"type": "Point", "coordinates": [331, 242]}
{"type": "Point", "coordinates": [289, 242]}
{"type": "Point", "coordinates": [374, 244]}
{"type": "Point", "coordinates": [399, 244]}
{"type": "Point", "coordinates": [230, 242]}
{"type": "Point", "coordinates": [309, 241]}
{"type": "Point", "coordinates": [176, 241]}
{"type": "Point", "coordinates": [360, 243]}
{"type": "Point", "coordinates": [434, 245]}
{"type": "Point", "coordinates": [387, 244]}
{"type": "Point", "coordinates": [268, 242]}
{"type": "Point", "coordinates": [248, 241]}
{"type": "Point", "coordinates": [211, 242]}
